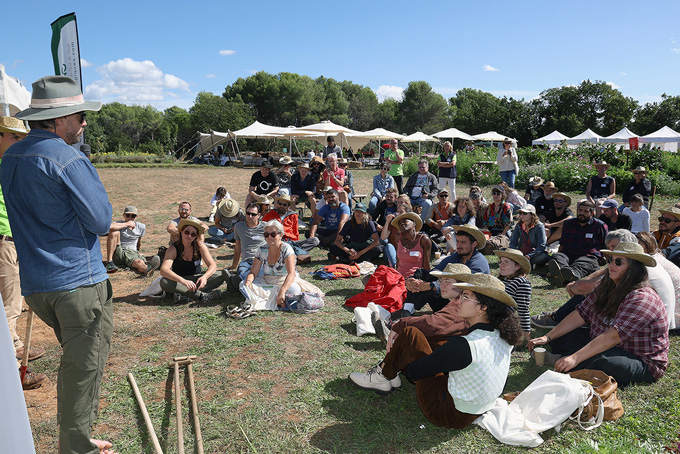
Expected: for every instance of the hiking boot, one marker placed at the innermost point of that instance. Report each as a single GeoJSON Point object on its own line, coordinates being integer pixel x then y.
{"type": "Point", "coordinates": [568, 275]}
{"type": "Point", "coordinates": [372, 380]}
{"type": "Point", "coordinates": [545, 320]}
{"type": "Point", "coordinates": [555, 275]}
{"type": "Point", "coordinates": [178, 298]}
{"type": "Point", "coordinates": [33, 353]}
{"type": "Point", "coordinates": [154, 264]}
{"type": "Point", "coordinates": [110, 267]}
{"type": "Point", "coordinates": [211, 296]}
{"type": "Point", "coordinates": [381, 329]}
{"type": "Point", "coordinates": [32, 380]}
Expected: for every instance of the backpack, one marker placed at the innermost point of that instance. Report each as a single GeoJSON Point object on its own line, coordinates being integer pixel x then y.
{"type": "Point", "coordinates": [337, 271]}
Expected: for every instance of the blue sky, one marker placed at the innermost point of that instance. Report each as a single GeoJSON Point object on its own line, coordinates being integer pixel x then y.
{"type": "Point", "coordinates": [164, 53]}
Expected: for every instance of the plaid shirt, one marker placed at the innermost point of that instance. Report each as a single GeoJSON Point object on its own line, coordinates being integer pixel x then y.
{"type": "Point", "coordinates": [580, 240]}
{"type": "Point", "coordinates": [641, 323]}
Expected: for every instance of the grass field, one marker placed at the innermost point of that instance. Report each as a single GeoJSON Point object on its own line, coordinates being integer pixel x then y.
{"type": "Point", "coordinates": [277, 382]}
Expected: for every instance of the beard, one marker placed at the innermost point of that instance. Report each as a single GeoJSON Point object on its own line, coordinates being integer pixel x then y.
{"type": "Point", "coordinates": [582, 219]}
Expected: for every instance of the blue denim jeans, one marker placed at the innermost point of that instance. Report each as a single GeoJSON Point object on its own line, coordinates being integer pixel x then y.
{"type": "Point", "coordinates": [509, 177]}
{"type": "Point", "coordinates": [390, 253]}
{"type": "Point", "coordinates": [371, 206]}
{"type": "Point", "coordinates": [217, 233]}
{"type": "Point", "coordinates": [427, 207]}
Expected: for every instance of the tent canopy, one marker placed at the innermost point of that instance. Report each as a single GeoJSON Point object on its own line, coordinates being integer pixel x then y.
{"type": "Point", "coordinates": [588, 136]}
{"type": "Point", "coordinates": [257, 130]}
{"type": "Point", "coordinates": [453, 133]}
{"type": "Point", "coordinates": [419, 137]}
{"type": "Point", "coordinates": [377, 134]}
{"type": "Point", "coordinates": [209, 141]}
{"type": "Point", "coordinates": [620, 137]}
{"type": "Point", "coordinates": [663, 135]}
{"type": "Point", "coordinates": [554, 138]}
{"type": "Point", "coordinates": [492, 136]}
{"type": "Point", "coordinates": [12, 93]}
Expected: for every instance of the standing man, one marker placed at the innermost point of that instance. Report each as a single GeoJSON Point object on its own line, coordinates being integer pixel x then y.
{"type": "Point", "coordinates": [331, 148]}
{"type": "Point", "coordinates": [12, 131]}
{"type": "Point", "coordinates": [422, 188]}
{"type": "Point", "coordinates": [395, 157]}
{"type": "Point", "coordinates": [263, 182]}
{"type": "Point", "coordinates": [447, 169]}
{"type": "Point", "coordinates": [62, 275]}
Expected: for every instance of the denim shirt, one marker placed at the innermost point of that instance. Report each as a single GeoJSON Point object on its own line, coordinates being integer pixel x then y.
{"type": "Point", "coordinates": [57, 207]}
{"type": "Point", "coordinates": [381, 185]}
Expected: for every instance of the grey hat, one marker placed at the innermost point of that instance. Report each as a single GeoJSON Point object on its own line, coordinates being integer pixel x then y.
{"type": "Point", "coordinates": [55, 97]}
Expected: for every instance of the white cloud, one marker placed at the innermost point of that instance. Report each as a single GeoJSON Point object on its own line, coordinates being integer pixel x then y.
{"type": "Point", "coordinates": [16, 63]}
{"type": "Point", "coordinates": [673, 40]}
{"type": "Point", "coordinates": [135, 82]}
{"type": "Point", "coordinates": [210, 76]}
{"type": "Point", "coordinates": [676, 50]}
{"type": "Point", "coordinates": [613, 85]}
{"type": "Point", "coordinates": [389, 91]}
{"type": "Point", "coordinates": [251, 71]}
{"type": "Point", "coordinates": [623, 74]}
{"type": "Point", "coordinates": [227, 52]}
{"type": "Point", "coordinates": [489, 68]}
{"type": "Point", "coordinates": [84, 63]}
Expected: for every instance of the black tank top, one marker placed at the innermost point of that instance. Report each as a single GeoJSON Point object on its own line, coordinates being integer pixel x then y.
{"type": "Point", "coordinates": [186, 267]}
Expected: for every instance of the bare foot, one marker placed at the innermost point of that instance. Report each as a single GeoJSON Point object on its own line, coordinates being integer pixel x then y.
{"type": "Point", "coordinates": [103, 445]}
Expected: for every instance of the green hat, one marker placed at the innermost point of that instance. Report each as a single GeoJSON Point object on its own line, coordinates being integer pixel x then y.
{"type": "Point", "coordinates": [360, 207]}
{"type": "Point", "coordinates": [55, 97]}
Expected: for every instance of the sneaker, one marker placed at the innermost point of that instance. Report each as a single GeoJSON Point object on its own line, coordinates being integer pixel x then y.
{"type": "Point", "coordinates": [396, 382]}
{"type": "Point", "coordinates": [110, 267]}
{"type": "Point", "coordinates": [211, 219]}
{"type": "Point", "coordinates": [211, 245]}
{"type": "Point", "coordinates": [154, 264]}
{"type": "Point", "coordinates": [211, 296]}
{"type": "Point", "coordinates": [555, 275]}
{"type": "Point", "coordinates": [33, 353]}
{"type": "Point", "coordinates": [372, 380]}
{"type": "Point", "coordinates": [545, 320]}
{"type": "Point", "coordinates": [177, 298]}
{"type": "Point", "coordinates": [32, 380]}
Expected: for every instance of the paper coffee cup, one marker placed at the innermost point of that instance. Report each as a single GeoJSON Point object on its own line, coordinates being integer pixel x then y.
{"type": "Point", "coordinates": [437, 255]}
{"type": "Point", "coordinates": [539, 355]}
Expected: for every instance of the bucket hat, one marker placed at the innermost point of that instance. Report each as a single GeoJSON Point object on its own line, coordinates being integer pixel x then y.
{"type": "Point", "coordinates": [229, 208]}
{"type": "Point", "coordinates": [632, 251]}
{"type": "Point", "coordinates": [517, 257]}
{"type": "Point", "coordinates": [55, 97]}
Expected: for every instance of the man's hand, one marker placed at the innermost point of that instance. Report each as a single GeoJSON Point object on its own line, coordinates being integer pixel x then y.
{"type": "Point", "coordinates": [416, 285]}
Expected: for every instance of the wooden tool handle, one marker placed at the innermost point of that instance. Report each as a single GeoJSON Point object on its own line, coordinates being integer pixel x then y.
{"type": "Point", "coordinates": [194, 409]}
{"type": "Point", "coordinates": [145, 414]}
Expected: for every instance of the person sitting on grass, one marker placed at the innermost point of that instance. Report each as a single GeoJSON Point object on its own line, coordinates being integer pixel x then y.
{"type": "Point", "coordinates": [220, 194]}
{"type": "Point", "coordinates": [512, 197]}
{"type": "Point", "coordinates": [553, 219]}
{"type": "Point", "coordinates": [263, 182]}
{"type": "Point", "coordinates": [612, 218]}
{"type": "Point", "coordinates": [181, 267]}
{"type": "Point", "coordinates": [514, 268]}
{"type": "Point", "coordinates": [389, 235]}
{"type": "Point", "coordinates": [638, 214]}
{"type": "Point", "coordinates": [249, 238]}
{"type": "Point", "coordinates": [546, 203]}
{"type": "Point", "coordinates": [384, 208]}
{"type": "Point", "coordinates": [639, 185]}
{"type": "Point", "coordinates": [463, 213]}
{"type": "Point", "coordinates": [358, 240]}
{"type": "Point", "coordinates": [284, 175]}
{"type": "Point", "coordinates": [529, 236]}
{"type": "Point", "coordinates": [334, 214]}
{"type": "Point", "coordinates": [442, 211]}
{"type": "Point", "coordinates": [228, 214]}
{"type": "Point", "coordinates": [288, 217]}
{"type": "Point", "coordinates": [124, 243]}
{"type": "Point", "coordinates": [497, 220]}
{"type": "Point", "coordinates": [627, 335]}
{"type": "Point", "coordinates": [461, 379]}
{"type": "Point", "coordinates": [381, 183]}
{"type": "Point", "coordinates": [413, 248]}
{"type": "Point", "coordinates": [265, 204]}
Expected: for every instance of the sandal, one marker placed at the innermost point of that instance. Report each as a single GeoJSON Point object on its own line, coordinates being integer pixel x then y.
{"type": "Point", "coordinates": [238, 313]}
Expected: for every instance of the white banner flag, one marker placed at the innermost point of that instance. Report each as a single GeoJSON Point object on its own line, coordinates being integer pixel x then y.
{"type": "Point", "coordinates": [65, 48]}
{"type": "Point", "coordinates": [13, 95]}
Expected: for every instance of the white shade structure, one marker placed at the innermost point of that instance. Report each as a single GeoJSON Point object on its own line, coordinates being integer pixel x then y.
{"type": "Point", "coordinates": [492, 136]}
{"type": "Point", "coordinates": [554, 138]}
{"type": "Point", "coordinates": [378, 134]}
{"type": "Point", "coordinates": [419, 137]}
{"type": "Point", "coordinates": [619, 137]}
{"type": "Point", "coordinates": [327, 128]}
{"type": "Point", "coordinates": [663, 135]}
{"type": "Point", "coordinates": [210, 141]}
{"type": "Point", "coordinates": [257, 130]}
{"type": "Point", "coordinates": [588, 136]}
{"type": "Point", "coordinates": [12, 94]}
{"type": "Point", "coordinates": [453, 133]}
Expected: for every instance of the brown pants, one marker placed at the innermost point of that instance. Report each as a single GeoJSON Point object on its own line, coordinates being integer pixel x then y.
{"type": "Point", "coordinates": [432, 393]}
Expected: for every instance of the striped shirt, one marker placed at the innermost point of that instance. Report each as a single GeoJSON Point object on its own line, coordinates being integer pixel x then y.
{"type": "Point", "coordinates": [520, 290]}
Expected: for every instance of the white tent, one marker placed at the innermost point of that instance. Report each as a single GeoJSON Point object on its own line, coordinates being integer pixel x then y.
{"type": "Point", "coordinates": [209, 141]}
{"type": "Point", "coordinates": [554, 138]}
{"type": "Point", "coordinates": [419, 137]}
{"type": "Point", "coordinates": [620, 137]}
{"type": "Point", "coordinates": [492, 136]}
{"type": "Point", "coordinates": [256, 131]}
{"type": "Point", "coordinates": [378, 134]}
{"type": "Point", "coordinates": [328, 127]}
{"type": "Point", "coordinates": [588, 136]}
{"type": "Point", "coordinates": [12, 94]}
{"type": "Point", "coordinates": [453, 133]}
{"type": "Point", "coordinates": [666, 136]}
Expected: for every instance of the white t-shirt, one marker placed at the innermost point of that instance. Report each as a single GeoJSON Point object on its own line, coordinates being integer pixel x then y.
{"type": "Point", "coordinates": [661, 282]}
{"type": "Point", "coordinates": [640, 219]}
{"type": "Point", "coordinates": [130, 237]}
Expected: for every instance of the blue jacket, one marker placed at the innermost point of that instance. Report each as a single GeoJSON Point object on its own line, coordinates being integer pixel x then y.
{"type": "Point", "coordinates": [537, 239]}
{"type": "Point", "coordinates": [57, 208]}
{"type": "Point", "coordinates": [380, 185]}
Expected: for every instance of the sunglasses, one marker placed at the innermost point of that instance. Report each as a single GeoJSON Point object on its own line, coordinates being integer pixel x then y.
{"type": "Point", "coordinates": [283, 204]}
{"type": "Point", "coordinates": [666, 220]}
{"type": "Point", "coordinates": [443, 195]}
{"type": "Point", "coordinates": [252, 214]}
{"type": "Point", "coordinates": [191, 234]}
{"type": "Point", "coordinates": [618, 261]}
{"type": "Point", "coordinates": [184, 209]}
{"type": "Point", "coordinates": [82, 116]}
{"type": "Point", "coordinates": [560, 201]}
{"type": "Point", "coordinates": [495, 193]}
{"type": "Point", "coordinates": [128, 215]}
{"type": "Point", "coordinates": [272, 234]}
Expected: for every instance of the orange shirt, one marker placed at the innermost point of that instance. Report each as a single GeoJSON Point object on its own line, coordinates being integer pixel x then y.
{"type": "Point", "coordinates": [289, 222]}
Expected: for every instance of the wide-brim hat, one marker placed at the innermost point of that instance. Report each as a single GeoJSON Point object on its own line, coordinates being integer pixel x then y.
{"type": "Point", "coordinates": [474, 231]}
{"type": "Point", "coordinates": [550, 185]}
{"type": "Point", "coordinates": [528, 208]}
{"type": "Point", "coordinates": [55, 97]}
{"type": "Point", "coordinates": [285, 160]}
{"type": "Point", "coordinates": [304, 165]}
{"type": "Point", "coordinates": [566, 198]}
{"type": "Point", "coordinates": [229, 208]}
{"type": "Point", "coordinates": [188, 222]}
{"type": "Point", "coordinates": [640, 169]}
{"type": "Point", "coordinates": [285, 197]}
{"type": "Point", "coordinates": [412, 216]}
{"type": "Point", "coordinates": [602, 163]}
{"type": "Point", "coordinates": [457, 271]}
{"type": "Point", "coordinates": [632, 251]}
{"type": "Point", "coordinates": [317, 159]}
{"type": "Point", "coordinates": [672, 212]}
{"type": "Point", "coordinates": [517, 257]}
{"type": "Point", "coordinates": [488, 285]}
{"type": "Point", "coordinates": [12, 125]}
{"type": "Point", "coordinates": [263, 200]}
{"type": "Point", "coordinates": [343, 161]}
{"type": "Point", "coordinates": [536, 181]}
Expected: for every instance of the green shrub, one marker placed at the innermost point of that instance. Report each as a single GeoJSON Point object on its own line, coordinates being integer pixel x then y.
{"type": "Point", "coordinates": [670, 163]}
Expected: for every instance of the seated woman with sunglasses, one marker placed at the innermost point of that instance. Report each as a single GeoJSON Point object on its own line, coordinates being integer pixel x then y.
{"type": "Point", "coordinates": [181, 267]}
{"type": "Point", "coordinates": [464, 212]}
{"type": "Point", "coordinates": [628, 326]}
{"type": "Point", "coordinates": [273, 273]}
{"type": "Point", "coordinates": [358, 240]}
{"type": "Point", "coordinates": [497, 220]}
{"type": "Point", "coordinates": [461, 379]}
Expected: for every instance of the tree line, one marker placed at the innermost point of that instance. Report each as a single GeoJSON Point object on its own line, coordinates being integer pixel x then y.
{"type": "Point", "coordinates": [287, 99]}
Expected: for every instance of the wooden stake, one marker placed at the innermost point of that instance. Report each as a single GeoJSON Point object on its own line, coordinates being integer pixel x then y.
{"type": "Point", "coordinates": [145, 414]}
{"type": "Point", "coordinates": [194, 409]}
{"type": "Point", "coordinates": [178, 409]}
{"type": "Point", "coordinates": [27, 344]}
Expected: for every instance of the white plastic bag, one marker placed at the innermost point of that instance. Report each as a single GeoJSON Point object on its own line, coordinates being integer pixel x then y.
{"type": "Point", "coordinates": [362, 318]}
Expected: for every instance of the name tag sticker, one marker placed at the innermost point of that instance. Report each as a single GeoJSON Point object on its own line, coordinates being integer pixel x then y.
{"type": "Point", "coordinates": [257, 237]}
{"type": "Point", "coordinates": [604, 185]}
{"type": "Point", "coordinates": [589, 235]}
{"type": "Point", "coordinates": [414, 253]}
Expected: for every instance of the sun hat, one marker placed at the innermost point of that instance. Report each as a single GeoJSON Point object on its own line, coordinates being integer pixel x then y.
{"type": "Point", "coordinates": [640, 169]}
{"type": "Point", "coordinates": [229, 208]}
{"type": "Point", "coordinates": [632, 251]}
{"type": "Point", "coordinates": [263, 200]}
{"type": "Point", "coordinates": [343, 161]}
{"type": "Point", "coordinates": [457, 271]}
{"type": "Point", "coordinates": [528, 208]}
{"type": "Point", "coordinates": [536, 181]}
{"type": "Point", "coordinates": [317, 160]}
{"type": "Point", "coordinates": [602, 163]}
{"type": "Point", "coordinates": [517, 257]}
{"type": "Point", "coordinates": [443, 191]}
{"type": "Point", "coordinates": [610, 203]}
{"type": "Point", "coordinates": [55, 97]}
{"type": "Point", "coordinates": [285, 197]}
{"type": "Point", "coordinates": [412, 216]}
{"type": "Point", "coordinates": [550, 185]}
{"type": "Point", "coordinates": [360, 207]}
{"type": "Point", "coordinates": [188, 222]}
{"type": "Point", "coordinates": [12, 125]}
{"type": "Point", "coordinates": [566, 198]}
{"type": "Point", "coordinates": [304, 165]}
{"type": "Point", "coordinates": [285, 160]}
{"type": "Point", "coordinates": [488, 285]}
{"type": "Point", "coordinates": [673, 212]}
{"type": "Point", "coordinates": [130, 210]}
{"type": "Point", "coordinates": [474, 231]}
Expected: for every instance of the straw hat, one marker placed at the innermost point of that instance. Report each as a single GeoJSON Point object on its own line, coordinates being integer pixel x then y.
{"type": "Point", "coordinates": [474, 231]}
{"type": "Point", "coordinates": [285, 160]}
{"type": "Point", "coordinates": [12, 125]}
{"type": "Point", "coordinates": [317, 159]}
{"type": "Point", "coordinates": [602, 163]}
{"type": "Point", "coordinates": [673, 212]}
{"type": "Point", "coordinates": [412, 216]}
{"type": "Point", "coordinates": [488, 285]}
{"type": "Point", "coordinates": [633, 251]}
{"type": "Point", "coordinates": [285, 197]}
{"type": "Point", "coordinates": [304, 165]}
{"type": "Point", "coordinates": [457, 271]}
{"type": "Point", "coordinates": [343, 161]}
{"type": "Point", "coordinates": [517, 257]}
{"type": "Point", "coordinates": [566, 198]}
{"type": "Point", "coordinates": [229, 208]}
{"type": "Point", "coordinates": [536, 181]}
{"type": "Point", "coordinates": [188, 222]}
{"type": "Point", "coordinates": [263, 200]}
{"type": "Point", "coordinates": [550, 185]}
{"type": "Point", "coordinates": [640, 169]}
{"type": "Point", "coordinates": [54, 97]}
